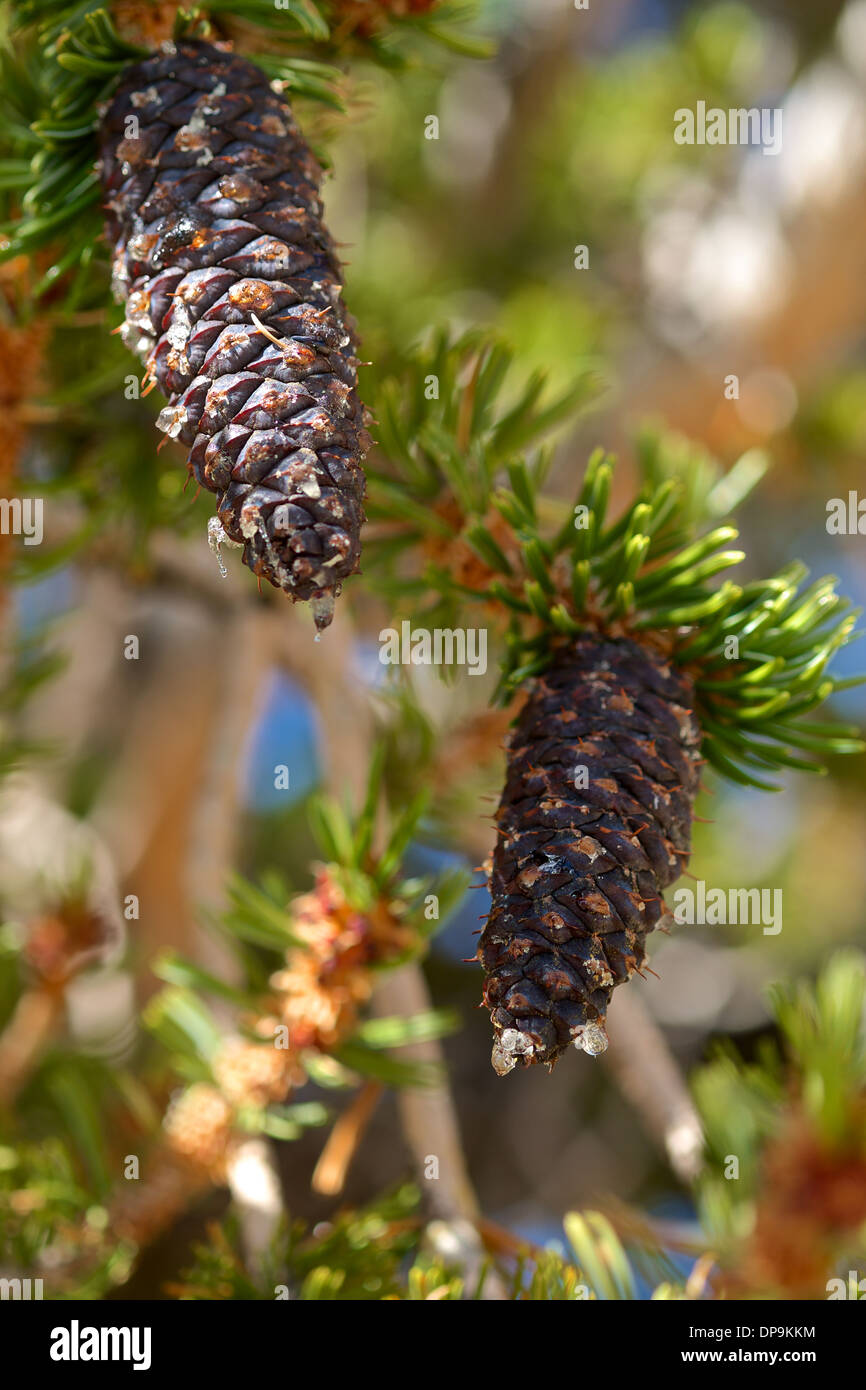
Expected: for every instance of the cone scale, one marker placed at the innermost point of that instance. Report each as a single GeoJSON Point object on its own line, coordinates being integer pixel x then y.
{"type": "Point", "coordinates": [594, 822]}
{"type": "Point", "coordinates": [233, 300]}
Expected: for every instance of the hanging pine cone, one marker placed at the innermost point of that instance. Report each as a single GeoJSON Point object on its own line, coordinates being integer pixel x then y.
{"type": "Point", "coordinates": [581, 858]}
{"type": "Point", "coordinates": [233, 300]}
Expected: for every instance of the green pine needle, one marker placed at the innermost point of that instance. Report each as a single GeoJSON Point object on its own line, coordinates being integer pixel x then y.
{"type": "Point", "coordinates": [759, 652]}
{"type": "Point", "coordinates": [61, 62]}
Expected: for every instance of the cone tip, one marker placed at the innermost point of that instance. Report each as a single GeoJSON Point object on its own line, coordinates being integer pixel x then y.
{"type": "Point", "coordinates": [322, 606]}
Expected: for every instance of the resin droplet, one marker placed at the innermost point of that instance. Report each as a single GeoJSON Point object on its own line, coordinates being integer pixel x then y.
{"type": "Point", "coordinates": [592, 1039]}
{"type": "Point", "coordinates": [216, 537]}
{"type": "Point", "coordinates": [322, 606]}
{"type": "Point", "coordinates": [510, 1045]}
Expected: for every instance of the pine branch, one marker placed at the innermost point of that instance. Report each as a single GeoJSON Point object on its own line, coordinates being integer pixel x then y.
{"type": "Point", "coordinates": [454, 487]}
{"type": "Point", "coordinates": [639, 659]}
{"type": "Point", "coordinates": [378, 1252]}
{"type": "Point", "coordinates": [308, 979]}
{"type": "Point", "coordinates": [794, 1118]}
{"type": "Point", "coordinates": [62, 63]}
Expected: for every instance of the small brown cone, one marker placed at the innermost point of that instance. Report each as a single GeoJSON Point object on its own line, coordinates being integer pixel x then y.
{"type": "Point", "coordinates": [594, 822]}
{"type": "Point", "coordinates": [233, 299]}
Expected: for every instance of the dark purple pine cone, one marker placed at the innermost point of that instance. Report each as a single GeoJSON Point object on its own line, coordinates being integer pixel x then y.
{"type": "Point", "coordinates": [233, 300]}
{"type": "Point", "coordinates": [595, 820]}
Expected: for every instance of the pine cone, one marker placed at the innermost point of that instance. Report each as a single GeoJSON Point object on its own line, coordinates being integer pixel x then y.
{"type": "Point", "coordinates": [578, 871]}
{"type": "Point", "coordinates": [233, 300]}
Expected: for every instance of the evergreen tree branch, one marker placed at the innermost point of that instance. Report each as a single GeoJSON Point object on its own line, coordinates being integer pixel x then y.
{"type": "Point", "coordinates": [484, 533]}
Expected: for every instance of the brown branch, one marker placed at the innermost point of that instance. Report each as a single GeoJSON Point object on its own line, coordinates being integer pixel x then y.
{"type": "Point", "coordinates": [329, 1175]}
{"type": "Point", "coordinates": [428, 1115]}
{"type": "Point", "coordinates": [34, 1023]}
{"type": "Point", "coordinates": [648, 1075]}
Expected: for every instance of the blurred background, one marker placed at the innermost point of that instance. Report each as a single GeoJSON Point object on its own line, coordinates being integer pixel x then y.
{"type": "Point", "coordinates": [703, 262]}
